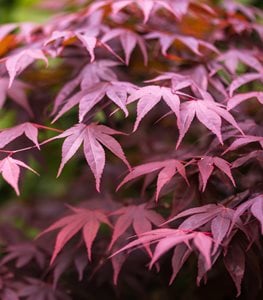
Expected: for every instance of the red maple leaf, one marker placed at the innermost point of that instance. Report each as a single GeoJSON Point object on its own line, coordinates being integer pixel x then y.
{"type": "Point", "coordinates": [87, 220]}
{"type": "Point", "coordinates": [92, 136]}
{"type": "Point", "coordinates": [9, 134]}
{"type": "Point", "coordinates": [168, 169]}
{"type": "Point", "coordinates": [149, 96]}
{"type": "Point", "coordinates": [167, 238]}
{"type": "Point", "coordinates": [208, 112]}
{"type": "Point", "coordinates": [128, 40]}
{"type": "Point", "coordinates": [116, 91]}
{"type": "Point", "coordinates": [18, 62]}
{"type": "Point", "coordinates": [10, 170]}
{"type": "Point", "coordinates": [141, 217]}
{"type": "Point", "coordinates": [90, 75]}
{"type": "Point", "coordinates": [207, 164]}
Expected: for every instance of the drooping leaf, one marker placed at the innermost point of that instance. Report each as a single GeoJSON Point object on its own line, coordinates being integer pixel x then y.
{"type": "Point", "coordinates": [235, 264]}
{"type": "Point", "coordinates": [69, 257]}
{"type": "Point", "coordinates": [180, 256]}
{"type": "Point", "coordinates": [204, 244]}
{"type": "Point", "coordinates": [220, 226]}
{"type": "Point", "coordinates": [117, 263]}
{"type": "Point", "coordinates": [17, 63]}
{"type": "Point", "coordinates": [82, 219]}
{"type": "Point", "coordinates": [10, 170]}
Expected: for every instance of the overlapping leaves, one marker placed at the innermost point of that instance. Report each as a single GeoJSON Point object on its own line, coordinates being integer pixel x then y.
{"type": "Point", "coordinates": [183, 243]}
{"type": "Point", "coordinates": [202, 69]}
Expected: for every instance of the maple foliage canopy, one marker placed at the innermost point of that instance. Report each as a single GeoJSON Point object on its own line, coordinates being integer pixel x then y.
{"type": "Point", "coordinates": [155, 108]}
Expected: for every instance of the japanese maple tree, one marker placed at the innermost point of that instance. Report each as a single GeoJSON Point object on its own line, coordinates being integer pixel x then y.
{"type": "Point", "coordinates": [149, 112]}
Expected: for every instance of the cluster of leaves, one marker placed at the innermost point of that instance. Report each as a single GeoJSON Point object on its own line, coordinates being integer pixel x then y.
{"type": "Point", "coordinates": [173, 89]}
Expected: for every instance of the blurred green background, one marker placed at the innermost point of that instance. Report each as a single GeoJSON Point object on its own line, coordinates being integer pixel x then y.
{"type": "Point", "coordinates": [22, 10]}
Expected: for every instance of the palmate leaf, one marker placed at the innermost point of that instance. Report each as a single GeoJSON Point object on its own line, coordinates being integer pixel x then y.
{"type": "Point", "coordinates": [128, 40]}
{"type": "Point", "coordinates": [209, 113]}
{"type": "Point", "coordinates": [141, 217]}
{"type": "Point", "coordinates": [18, 62]}
{"type": "Point", "coordinates": [24, 253]}
{"type": "Point", "coordinates": [9, 134]}
{"type": "Point", "coordinates": [68, 258]}
{"type": "Point", "coordinates": [91, 74]}
{"type": "Point", "coordinates": [116, 91]}
{"type": "Point", "coordinates": [207, 164]}
{"type": "Point", "coordinates": [196, 78]}
{"type": "Point", "coordinates": [88, 41]}
{"type": "Point", "coordinates": [92, 136]}
{"type": "Point", "coordinates": [232, 57]}
{"type": "Point", "coordinates": [10, 170]}
{"type": "Point", "coordinates": [167, 40]}
{"type": "Point", "coordinates": [38, 289]}
{"type": "Point", "coordinates": [86, 38]}
{"type": "Point", "coordinates": [183, 242]}
{"type": "Point", "coordinates": [149, 96]}
{"type": "Point", "coordinates": [176, 7]}
{"type": "Point", "coordinates": [218, 217]}
{"type": "Point", "coordinates": [167, 168]}
{"type": "Point", "coordinates": [82, 219]}
{"type": "Point", "coordinates": [17, 93]}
